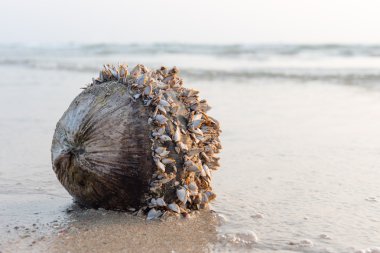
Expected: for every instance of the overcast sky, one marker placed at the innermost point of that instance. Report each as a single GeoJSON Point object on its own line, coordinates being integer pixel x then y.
{"type": "Point", "coordinates": [195, 21]}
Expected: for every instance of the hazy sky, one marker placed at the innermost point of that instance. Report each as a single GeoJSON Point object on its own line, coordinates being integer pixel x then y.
{"type": "Point", "coordinates": [195, 21]}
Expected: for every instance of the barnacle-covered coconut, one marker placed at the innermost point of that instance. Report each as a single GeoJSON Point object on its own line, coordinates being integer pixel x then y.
{"type": "Point", "coordinates": [137, 141]}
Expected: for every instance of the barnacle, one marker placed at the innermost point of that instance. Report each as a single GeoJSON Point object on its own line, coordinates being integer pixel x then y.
{"type": "Point", "coordinates": [137, 140]}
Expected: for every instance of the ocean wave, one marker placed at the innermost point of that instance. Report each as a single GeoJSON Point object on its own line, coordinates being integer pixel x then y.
{"type": "Point", "coordinates": [257, 50]}
{"type": "Point", "coordinates": [301, 75]}
{"type": "Point", "coordinates": [348, 76]}
{"type": "Point", "coordinates": [48, 65]}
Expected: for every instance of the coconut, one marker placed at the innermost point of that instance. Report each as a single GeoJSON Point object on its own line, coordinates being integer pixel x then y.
{"type": "Point", "coordinates": [137, 140]}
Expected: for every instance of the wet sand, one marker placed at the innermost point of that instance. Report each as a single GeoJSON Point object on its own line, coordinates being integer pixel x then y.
{"type": "Point", "coordinates": [89, 230]}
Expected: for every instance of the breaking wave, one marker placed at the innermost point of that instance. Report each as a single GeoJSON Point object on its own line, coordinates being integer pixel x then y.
{"type": "Point", "coordinates": [341, 50]}
{"type": "Point", "coordinates": [350, 64]}
{"type": "Point", "coordinates": [295, 74]}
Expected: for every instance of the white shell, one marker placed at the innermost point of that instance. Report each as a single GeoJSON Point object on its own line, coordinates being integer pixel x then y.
{"type": "Point", "coordinates": [153, 214]}
{"type": "Point", "coordinates": [161, 151]}
{"type": "Point", "coordinates": [189, 163]}
{"type": "Point", "coordinates": [155, 133]}
{"type": "Point", "coordinates": [165, 153]}
{"type": "Point", "coordinates": [161, 108]}
{"type": "Point", "coordinates": [183, 146]}
{"type": "Point", "coordinates": [196, 122]}
{"type": "Point", "coordinates": [115, 73]}
{"type": "Point", "coordinates": [197, 116]}
{"type": "Point", "coordinates": [159, 132]}
{"type": "Point", "coordinates": [168, 160]}
{"type": "Point", "coordinates": [153, 202]}
{"type": "Point", "coordinates": [174, 207]}
{"type": "Point", "coordinates": [148, 90]}
{"type": "Point", "coordinates": [177, 135]}
{"type": "Point", "coordinates": [203, 154]}
{"type": "Point", "coordinates": [182, 195]}
{"type": "Point", "coordinates": [140, 80]}
{"type": "Point", "coordinates": [206, 171]}
{"type": "Point", "coordinates": [161, 119]}
{"type": "Point", "coordinates": [203, 173]}
{"type": "Point", "coordinates": [160, 202]}
{"type": "Point", "coordinates": [204, 198]}
{"type": "Point", "coordinates": [196, 131]}
{"type": "Point", "coordinates": [164, 103]}
{"type": "Point", "coordinates": [193, 168]}
{"type": "Point", "coordinates": [160, 165]}
{"type": "Point", "coordinates": [193, 187]}
{"type": "Point", "coordinates": [165, 138]}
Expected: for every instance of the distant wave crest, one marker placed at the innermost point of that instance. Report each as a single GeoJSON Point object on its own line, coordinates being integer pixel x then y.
{"type": "Point", "coordinates": [295, 74]}
{"type": "Point", "coordinates": [259, 50]}
{"type": "Point", "coordinates": [86, 58]}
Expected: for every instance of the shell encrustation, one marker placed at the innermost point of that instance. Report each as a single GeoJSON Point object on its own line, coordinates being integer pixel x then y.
{"type": "Point", "coordinates": [137, 141]}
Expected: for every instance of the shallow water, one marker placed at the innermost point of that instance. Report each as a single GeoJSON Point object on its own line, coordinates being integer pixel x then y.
{"type": "Point", "coordinates": [299, 165]}
{"type": "Point", "coordinates": [299, 169]}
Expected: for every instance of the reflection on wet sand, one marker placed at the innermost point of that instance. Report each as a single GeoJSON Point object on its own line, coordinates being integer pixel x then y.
{"type": "Point", "coordinates": [62, 226]}
{"type": "Point", "coordinates": [108, 231]}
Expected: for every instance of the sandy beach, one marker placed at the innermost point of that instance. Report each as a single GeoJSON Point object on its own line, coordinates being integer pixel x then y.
{"type": "Point", "coordinates": [299, 169]}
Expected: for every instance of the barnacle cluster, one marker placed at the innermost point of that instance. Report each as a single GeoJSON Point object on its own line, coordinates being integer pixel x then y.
{"type": "Point", "coordinates": [184, 146]}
